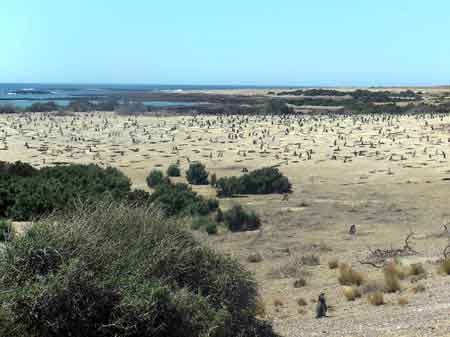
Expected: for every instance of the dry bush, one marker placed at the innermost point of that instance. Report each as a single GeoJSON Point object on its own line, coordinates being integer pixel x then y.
{"type": "Point", "coordinates": [444, 266]}
{"type": "Point", "coordinates": [351, 293]}
{"type": "Point", "coordinates": [419, 288]}
{"type": "Point", "coordinates": [302, 302]}
{"type": "Point", "coordinates": [416, 269]}
{"type": "Point", "coordinates": [277, 302]}
{"type": "Point", "coordinates": [348, 276]}
{"type": "Point", "coordinates": [402, 301]}
{"type": "Point", "coordinates": [260, 309]}
{"type": "Point", "coordinates": [417, 278]}
{"type": "Point", "coordinates": [299, 283]}
{"type": "Point", "coordinates": [391, 278]}
{"type": "Point", "coordinates": [376, 298]}
{"type": "Point", "coordinates": [371, 286]}
{"type": "Point", "coordinates": [333, 263]}
{"type": "Point", "coordinates": [254, 257]}
{"type": "Point", "coordinates": [310, 260]}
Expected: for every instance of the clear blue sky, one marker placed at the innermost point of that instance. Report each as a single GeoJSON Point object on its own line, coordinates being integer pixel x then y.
{"type": "Point", "coordinates": [284, 42]}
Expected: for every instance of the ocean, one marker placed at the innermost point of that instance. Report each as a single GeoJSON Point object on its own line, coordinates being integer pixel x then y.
{"type": "Point", "coordinates": [25, 94]}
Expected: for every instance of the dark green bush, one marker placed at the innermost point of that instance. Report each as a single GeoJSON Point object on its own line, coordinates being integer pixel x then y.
{"type": "Point", "coordinates": [262, 181]}
{"type": "Point", "coordinates": [155, 178]}
{"type": "Point", "coordinates": [139, 198]}
{"type": "Point", "coordinates": [179, 199]}
{"type": "Point", "coordinates": [26, 192]}
{"type": "Point", "coordinates": [108, 270]}
{"type": "Point", "coordinates": [211, 228]}
{"type": "Point", "coordinates": [197, 174]}
{"type": "Point", "coordinates": [238, 219]}
{"type": "Point", "coordinates": [173, 171]}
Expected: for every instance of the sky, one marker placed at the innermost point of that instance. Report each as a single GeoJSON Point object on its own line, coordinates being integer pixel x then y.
{"type": "Point", "coordinates": [246, 42]}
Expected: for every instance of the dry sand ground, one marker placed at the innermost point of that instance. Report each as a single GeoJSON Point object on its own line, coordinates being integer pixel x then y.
{"type": "Point", "coordinates": [384, 175]}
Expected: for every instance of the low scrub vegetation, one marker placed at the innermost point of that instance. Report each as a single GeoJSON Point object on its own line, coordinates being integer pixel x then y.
{"type": "Point", "coordinates": [333, 263]}
{"type": "Point", "coordinates": [444, 266]}
{"type": "Point", "coordinates": [204, 223]}
{"type": "Point", "coordinates": [348, 276]}
{"type": "Point", "coordinates": [26, 192]}
{"type": "Point", "coordinates": [391, 278]}
{"type": "Point", "coordinates": [109, 270]}
{"type": "Point", "coordinates": [155, 178]}
{"type": "Point", "coordinates": [173, 171]}
{"type": "Point", "coordinates": [262, 181]}
{"type": "Point", "coordinates": [238, 219]}
{"type": "Point", "coordinates": [179, 199]}
{"type": "Point", "coordinates": [351, 293]}
{"type": "Point", "coordinates": [197, 174]}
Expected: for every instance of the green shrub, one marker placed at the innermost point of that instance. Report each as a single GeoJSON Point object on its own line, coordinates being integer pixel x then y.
{"type": "Point", "coordinates": [213, 180]}
{"type": "Point", "coordinates": [26, 193]}
{"type": "Point", "coordinates": [237, 219]}
{"type": "Point", "coordinates": [197, 174]}
{"type": "Point", "coordinates": [108, 270]}
{"type": "Point", "coordinates": [139, 198]}
{"type": "Point", "coordinates": [219, 215]}
{"type": "Point", "coordinates": [173, 171]}
{"type": "Point", "coordinates": [155, 178]}
{"type": "Point", "coordinates": [262, 181]}
{"type": "Point", "coordinates": [179, 199]}
{"type": "Point", "coordinates": [204, 223]}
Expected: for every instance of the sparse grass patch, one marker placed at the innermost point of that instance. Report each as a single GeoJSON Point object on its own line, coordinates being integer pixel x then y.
{"type": "Point", "coordinates": [376, 298]}
{"type": "Point", "coordinates": [254, 257]}
{"type": "Point", "coordinates": [302, 302]}
{"type": "Point", "coordinates": [402, 301]}
{"type": "Point", "coordinates": [299, 283]}
{"type": "Point", "coordinates": [260, 309]}
{"type": "Point", "coordinates": [278, 302]}
{"type": "Point", "coordinates": [416, 269]}
{"type": "Point", "coordinates": [419, 288]}
{"type": "Point", "coordinates": [444, 266]}
{"type": "Point", "coordinates": [311, 260]}
{"type": "Point", "coordinates": [333, 263]}
{"type": "Point", "coordinates": [348, 276]}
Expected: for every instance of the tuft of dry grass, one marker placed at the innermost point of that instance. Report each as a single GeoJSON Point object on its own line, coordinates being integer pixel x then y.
{"type": "Point", "coordinates": [402, 301]}
{"type": "Point", "coordinates": [277, 302]}
{"type": "Point", "coordinates": [419, 288]}
{"type": "Point", "coordinates": [351, 293]}
{"type": "Point", "coordinates": [416, 269]}
{"type": "Point", "coordinates": [376, 298]}
{"type": "Point", "coordinates": [299, 283]}
{"type": "Point", "coordinates": [254, 257]}
{"type": "Point", "coordinates": [348, 276]}
{"type": "Point", "coordinates": [444, 266]}
{"type": "Point", "coordinates": [260, 308]}
{"type": "Point", "coordinates": [391, 278]}
{"type": "Point", "coordinates": [333, 263]}
{"type": "Point", "coordinates": [310, 260]}
{"type": "Point", "coordinates": [302, 302]}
